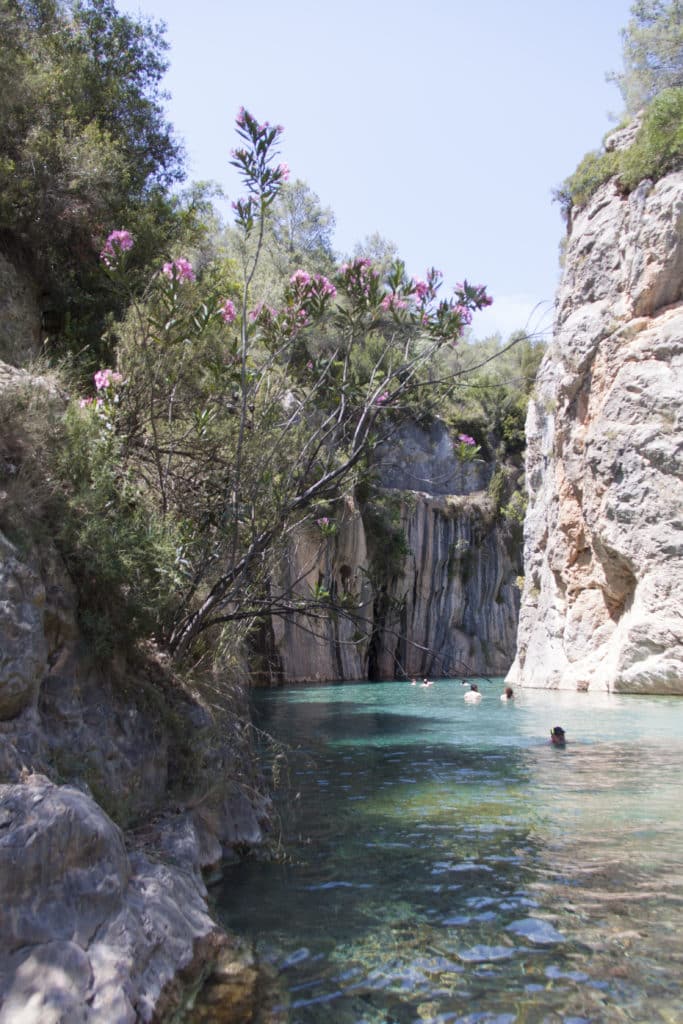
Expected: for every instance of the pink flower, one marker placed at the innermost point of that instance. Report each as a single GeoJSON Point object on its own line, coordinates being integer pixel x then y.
{"type": "Point", "coordinates": [228, 311]}
{"type": "Point", "coordinates": [323, 521]}
{"type": "Point", "coordinates": [309, 365]}
{"type": "Point", "coordinates": [466, 439]}
{"type": "Point", "coordinates": [178, 270]}
{"type": "Point", "coordinates": [118, 242]}
{"type": "Point", "coordinates": [394, 302]}
{"type": "Point", "coordinates": [381, 399]}
{"type": "Point", "coordinates": [300, 277]}
{"type": "Point", "coordinates": [464, 313]}
{"type": "Point", "coordinates": [85, 402]}
{"type": "Point", "coordinates": [422, 289]}
{"type": "Point", "coordinates": [105, 379]}
{"type": "Point", "coordinates": [284, 172]}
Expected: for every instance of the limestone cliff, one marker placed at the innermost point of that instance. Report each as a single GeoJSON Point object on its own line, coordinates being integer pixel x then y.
{"type": "Point", "coordinates": [425, 569]}
{"type": "Point", "coordinates": [602, 606]}
{"type": "Point", "coordinates": [96, 924]}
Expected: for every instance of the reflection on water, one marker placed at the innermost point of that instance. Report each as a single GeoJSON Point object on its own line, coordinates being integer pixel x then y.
{"type": "Point", "coordinates": [446, 864]}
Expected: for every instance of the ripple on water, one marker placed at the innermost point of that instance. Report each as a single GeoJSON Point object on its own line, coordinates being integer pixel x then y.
{"type": "Point", "coordinates": [501, 875]}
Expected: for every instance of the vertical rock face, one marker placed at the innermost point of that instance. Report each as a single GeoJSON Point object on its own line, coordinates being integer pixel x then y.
{"type": "Point", "coordinates": [453, 610]}
{"type": "Point", "coordinates": [431, 592]}
{"type": "Point", "coordinates": [19, 315]}
{"type": "Point", "coordinates": [602, 606]}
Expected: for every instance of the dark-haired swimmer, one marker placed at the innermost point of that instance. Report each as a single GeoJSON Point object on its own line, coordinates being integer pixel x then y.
{"type": "Point", "coordinates": [557, 737]}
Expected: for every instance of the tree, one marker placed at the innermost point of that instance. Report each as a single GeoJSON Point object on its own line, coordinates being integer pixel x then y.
{"type": "Point", "coordinates": [301, 230]}
{"type": "Point", "coordinates": [84, 143]}
{"type": "Point", "coordinates": [652, 52]}
{"type": "Point", "coordinates": [381, 251]}
{"type": "Point", "coordinates": [243, 421]}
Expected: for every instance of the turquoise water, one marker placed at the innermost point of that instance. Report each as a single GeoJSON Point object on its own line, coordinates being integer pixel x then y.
{"type": "Point", "coordinates": [443, 863]}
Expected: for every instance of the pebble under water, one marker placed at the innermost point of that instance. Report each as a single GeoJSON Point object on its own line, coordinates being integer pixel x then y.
{"type": "Point", "coordinates": [442, 862]}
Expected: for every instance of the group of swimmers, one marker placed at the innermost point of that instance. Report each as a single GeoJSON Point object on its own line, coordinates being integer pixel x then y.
{"type": "Point", "coordinates": [473, 696]}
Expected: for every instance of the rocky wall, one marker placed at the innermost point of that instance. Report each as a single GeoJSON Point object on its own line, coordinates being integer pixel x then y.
{"type": "Point", "coordinates": [602, 606]}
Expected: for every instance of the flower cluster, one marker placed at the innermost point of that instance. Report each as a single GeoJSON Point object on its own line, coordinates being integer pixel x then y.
{"type": "Point", "coordinates": [467, 448]}
{"type": "Point", "coordinates": [310, 293]}
{"type": "Point", "coordinates": [393, 303]}
{"type": "Point", "coordinates": [360, 281]}
{"type": "Point", "coordinates": [228, 312]}
{"type": "Point", "coordinates": [105, 384]}
{"type": "Point", "coordinates": [117, 243]}
{"type": "Point", "coordinates": [178, 270]}
{"type": "Point", "coordinates": [326, 526]}
{"type": "Point", "coordinates": [106, 379]}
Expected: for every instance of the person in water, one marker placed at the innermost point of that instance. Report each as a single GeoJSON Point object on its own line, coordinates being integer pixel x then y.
{"type": "Point", "coordinates": [427, 682]}
{"type": "Point", "coordinates": [508, 694]}
{"type": "Point", "coordinates": [557, 737]}
{"type": "Point", "coordinates": [473, 696]}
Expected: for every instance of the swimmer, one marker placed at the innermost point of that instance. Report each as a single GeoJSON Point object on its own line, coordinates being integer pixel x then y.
{"type": "Point", "coordinates": [508, 694]}
{"type": "Point", "coordinates": [557, 737]}
{"type": "Point", "coordinates": [427, 682]}
{"type": "Point", "coordinates": [473, 696]}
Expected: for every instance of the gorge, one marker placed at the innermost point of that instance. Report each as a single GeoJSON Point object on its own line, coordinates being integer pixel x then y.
{"type": "Point", "coordinates": [118, 789]}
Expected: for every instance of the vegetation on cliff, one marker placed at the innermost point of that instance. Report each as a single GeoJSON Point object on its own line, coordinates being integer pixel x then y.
{"type": "Point", "coordinates": [651, 85]}
{"type": "Point", "coordinates": [243, 375]}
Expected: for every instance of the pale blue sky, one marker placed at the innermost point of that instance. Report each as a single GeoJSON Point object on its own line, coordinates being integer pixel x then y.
{"type": "Point", "coordinates": [444, 125]}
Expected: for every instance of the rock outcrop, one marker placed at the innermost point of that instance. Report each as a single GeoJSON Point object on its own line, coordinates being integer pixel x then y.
{"type": "Point", "coordinates": [98, 924]}
{"type": "Point", "coordinates": [427, 577]}
{"type": "Point", "coordinates": [602, 606]}
{"type": "Point", "coordinates": [20, 314]}
{"type": "Point", "coordinates": [91, 932]}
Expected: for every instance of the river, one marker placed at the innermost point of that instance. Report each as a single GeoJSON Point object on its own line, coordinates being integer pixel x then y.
{"type": "Point", "coordinates": [442, 862]}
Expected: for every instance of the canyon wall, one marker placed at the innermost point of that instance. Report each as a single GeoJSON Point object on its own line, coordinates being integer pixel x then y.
{"type": "Point", "coordinates": [602, 604]}
{"type": "Point", "coordinates": [426, 572]}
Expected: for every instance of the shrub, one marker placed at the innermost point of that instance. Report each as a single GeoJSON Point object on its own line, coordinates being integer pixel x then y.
{"type": "Point", "coordinates": [658, 147]}
{"type": "Point", "coordinates": [595, 169]}
{"type": "Point", "coordinates": [656, 150]}
{"type": "Point", "coordinates": [121, 555]}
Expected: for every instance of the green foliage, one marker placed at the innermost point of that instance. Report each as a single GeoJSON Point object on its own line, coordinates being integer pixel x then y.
{"type": "Point", "coordinates": [594, 170]}
{"type": "Point", "coordinates": [515, 510]}
{"type": "Point", "coordinates": [658, 147]}
{"type": "Point", "coordinates": [656, 150]}
{"type": "Point", "coordinates": [491, 391]}
{"type": "Point", "coordinates": [652, 52]}
{"type": "Point", "coordinates": [386, 539]}
{"type": "Point", "coordinates": [301, 231]}
{"type": "Point", "coordinates": [121, 555]}
{"type": "Point", "coordinates": [84, 145]}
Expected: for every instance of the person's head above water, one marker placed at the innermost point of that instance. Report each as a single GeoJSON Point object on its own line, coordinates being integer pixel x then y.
{"type": "Point", "coordinates": [557, 736]}
{"type": "Point", "coordinates": [474, 687]}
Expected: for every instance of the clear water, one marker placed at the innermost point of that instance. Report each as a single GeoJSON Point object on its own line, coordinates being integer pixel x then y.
{"type": "Point", "coordinates": [444, 863]}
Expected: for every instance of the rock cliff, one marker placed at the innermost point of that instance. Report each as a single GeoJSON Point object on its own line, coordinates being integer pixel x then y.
{"type": "Point", "coordinates": [97, 924]}
{"type": "Point", "coordinates": [602, 606]}
{"type": "Point", "coordinates": [426, 570]}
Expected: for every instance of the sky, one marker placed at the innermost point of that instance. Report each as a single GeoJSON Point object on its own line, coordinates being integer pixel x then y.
{"type": "Point", "coordinates": [443, 125]}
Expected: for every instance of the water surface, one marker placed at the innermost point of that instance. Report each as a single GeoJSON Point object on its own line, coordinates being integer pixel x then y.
{"type": "Point", "coordinates": [443, 863]}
